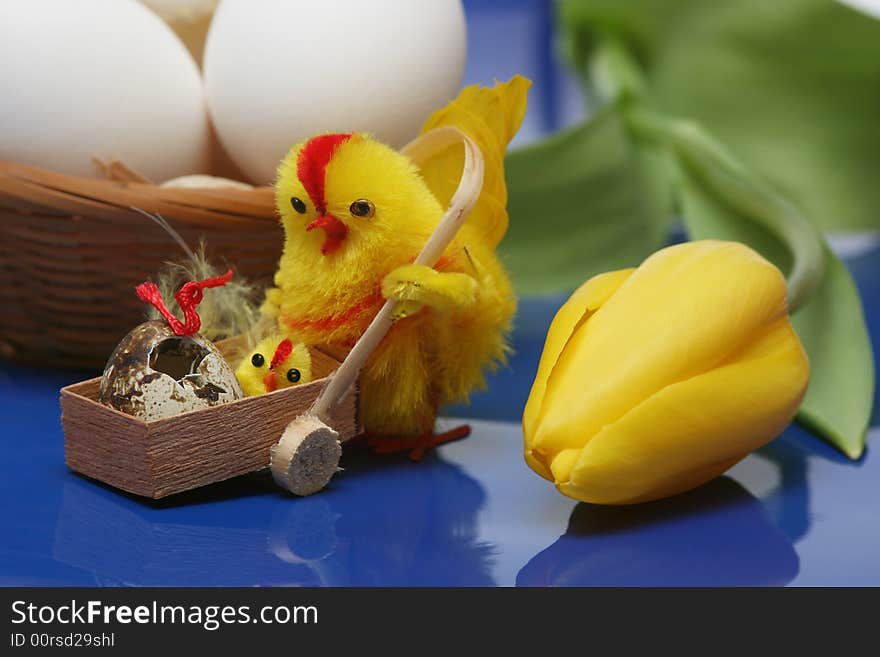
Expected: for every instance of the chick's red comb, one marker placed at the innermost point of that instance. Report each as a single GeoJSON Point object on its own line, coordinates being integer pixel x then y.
{"type": "Point", "coordinates": [285, 347]}
{"type": "Point", "coordinates": [311, 165]}
{"type": "Point", "coordinates": [188, 297]}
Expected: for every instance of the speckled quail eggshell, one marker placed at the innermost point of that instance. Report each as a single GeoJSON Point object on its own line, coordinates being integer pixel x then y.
{"type": "Point", "coordinates": [98, 78]}
{"type": "Point", "coordinates": [284, 70]}
{"type": "Point", "coordinates": [133, 385]}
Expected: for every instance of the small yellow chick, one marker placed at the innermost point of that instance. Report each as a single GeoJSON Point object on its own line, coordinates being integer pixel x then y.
{"type": "Point", "coordinates": [355, 215]}
{"type": "Point", "coordinates": [275, 363]}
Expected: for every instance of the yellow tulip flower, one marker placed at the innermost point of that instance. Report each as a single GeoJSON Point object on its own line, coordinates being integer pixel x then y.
{"type": "Point", "coordinates": [657, 379]}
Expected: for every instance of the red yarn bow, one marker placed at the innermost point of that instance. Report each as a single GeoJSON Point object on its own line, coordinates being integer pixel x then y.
{"type": "Point", "coordinates": [189, 296]}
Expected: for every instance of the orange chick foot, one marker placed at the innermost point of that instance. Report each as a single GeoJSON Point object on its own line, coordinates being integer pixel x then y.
{"type": "Point", "coordinates": [417, 446]}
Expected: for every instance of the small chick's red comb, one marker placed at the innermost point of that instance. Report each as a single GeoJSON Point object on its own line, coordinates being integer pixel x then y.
{"type": "Point", "coordinates": [188, 297]}
{"type": "Point", "coordinates": [285, 347]}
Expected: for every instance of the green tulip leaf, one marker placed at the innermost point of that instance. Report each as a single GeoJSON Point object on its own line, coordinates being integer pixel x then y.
{"type": "Point", "coordinates": [832, 328]}
{"type": "Point", "coordinates": [831, 325]}
{"type": "Point", "coordinates": [581, 202]}
{"type": "Point", "coordinates": [791, 86]}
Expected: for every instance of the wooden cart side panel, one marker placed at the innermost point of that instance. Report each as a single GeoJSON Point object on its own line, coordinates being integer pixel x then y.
{"type": "Point", "coordinates": [104, 444]}
{"type": "Point", "coordinates": [88, 388]}
{"type": "Point", "coordinates": [322, 364]}
{"type": "Point", "coordinates": [203, 447]}
{"type": "Point", "coordinates": [162, 457]}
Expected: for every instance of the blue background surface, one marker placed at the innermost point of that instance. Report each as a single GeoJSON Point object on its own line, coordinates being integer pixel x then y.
{"type": "Point", "coordinates": [796, 512]}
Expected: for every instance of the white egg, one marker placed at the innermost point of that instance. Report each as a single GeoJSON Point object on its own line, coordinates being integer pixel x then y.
{"type": "Point", "coordinates": [98, 78]}
{"type": "Point", "coordinates": [279, 71]}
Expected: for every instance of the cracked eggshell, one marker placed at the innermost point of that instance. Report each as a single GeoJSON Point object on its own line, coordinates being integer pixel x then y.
{"type": "Point", "coordinates": [154, 373]}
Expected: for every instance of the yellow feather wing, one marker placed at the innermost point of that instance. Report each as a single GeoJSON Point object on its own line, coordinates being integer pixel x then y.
{"type": "Point", "coordinates": [490, 116]}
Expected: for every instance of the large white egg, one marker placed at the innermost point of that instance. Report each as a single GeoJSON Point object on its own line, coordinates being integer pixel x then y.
{"type": "Point", "coordinates": [98, 78]}
{"type": "Point", "coordinates": [279, 71]}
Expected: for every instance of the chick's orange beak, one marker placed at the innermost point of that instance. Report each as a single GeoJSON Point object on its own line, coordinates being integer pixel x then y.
{"type": "Point", "coordinates": [270, 381]}
{"type": "Point", "coordinates": [334, 231]}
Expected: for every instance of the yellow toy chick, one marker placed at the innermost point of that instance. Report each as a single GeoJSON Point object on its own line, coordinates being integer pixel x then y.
{"type": "Point", "coordinates": [355, 214]}
{"type": "Point", "coordinates": [274, 363]}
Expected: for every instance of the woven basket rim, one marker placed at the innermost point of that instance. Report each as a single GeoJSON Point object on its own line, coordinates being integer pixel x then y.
{"type": "Point", "coordinates": [37, 190]}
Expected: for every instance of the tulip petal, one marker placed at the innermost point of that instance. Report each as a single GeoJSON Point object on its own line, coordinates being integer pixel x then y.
{"type": "Point", "coordinates": [831, 324]}
{"type": "Point", "coordinates": [681, 314]}
{"type": "Point", "coordinates": [693, 430]}
{"type": "Point", "coordinates": [585, 300]}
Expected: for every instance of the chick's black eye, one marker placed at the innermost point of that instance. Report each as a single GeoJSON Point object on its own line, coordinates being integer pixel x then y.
{"type": "Point", "coordinates": [298, 205]}
{"type": "Point", "coordinates": [362, 208]}
{"type": "Point", "coordinates": [293, 375]}
{"type": "Point", "coordinates": [257, 360]}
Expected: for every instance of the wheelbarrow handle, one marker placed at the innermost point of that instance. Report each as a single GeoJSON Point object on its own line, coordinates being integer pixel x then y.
{"type": "Point", "coordinates": [462, 203]}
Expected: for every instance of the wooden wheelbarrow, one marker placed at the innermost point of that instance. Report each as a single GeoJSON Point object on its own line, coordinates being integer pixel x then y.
{"type": "Point", "coordinates": [297, 431]}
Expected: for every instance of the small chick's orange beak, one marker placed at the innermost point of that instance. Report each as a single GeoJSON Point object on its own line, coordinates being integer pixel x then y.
{"type": "Point", "coordinates": [270, 382]}
{"type": "Point", "coordinates": [334, 230]}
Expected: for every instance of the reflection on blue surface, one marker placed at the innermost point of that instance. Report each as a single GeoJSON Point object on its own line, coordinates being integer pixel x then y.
{"type": "Point", "coordinates": [385, 523]}
{"type": "Point", "coordinates": [789, 501]}
{"type": "Point", "coordinates": [717, 535]}
{"type": "Point", "coordinates": [795, 512]}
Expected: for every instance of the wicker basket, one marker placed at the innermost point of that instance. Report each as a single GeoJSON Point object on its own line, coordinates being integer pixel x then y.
{"type": "Point", "coordinates": [73, 250]}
